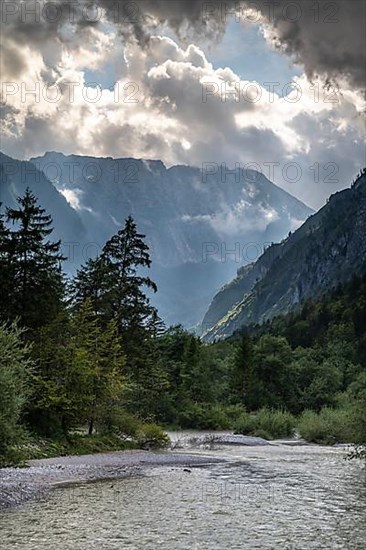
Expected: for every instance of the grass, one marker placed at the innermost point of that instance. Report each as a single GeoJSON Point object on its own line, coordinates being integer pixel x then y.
{"type": "Point", "coordinates": [75, 444]}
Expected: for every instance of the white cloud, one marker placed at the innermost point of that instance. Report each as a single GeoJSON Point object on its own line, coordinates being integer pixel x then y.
{"type": "Point", "coordinates": [157, 110]}
{"type": "Point", "coordinates": [73, 197]}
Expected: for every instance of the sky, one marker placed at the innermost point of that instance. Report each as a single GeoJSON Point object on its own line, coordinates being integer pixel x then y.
{"type": "Point", "coordinates": [274, 86]}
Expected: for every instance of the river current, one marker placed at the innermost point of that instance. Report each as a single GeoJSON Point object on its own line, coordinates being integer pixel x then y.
{"type": "Point", "coordinates": [267, 497]}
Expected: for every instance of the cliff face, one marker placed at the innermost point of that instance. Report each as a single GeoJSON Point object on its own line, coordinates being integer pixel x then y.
{"type": "Point", "coordinates": [192, 220]}
{"type": "Point", "coordinates": [325, 251]}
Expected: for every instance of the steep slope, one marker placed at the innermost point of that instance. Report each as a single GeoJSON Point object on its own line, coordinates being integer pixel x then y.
{"type": "Point", "coordinates": [326, 250]}
{"type": "Point", "coordinates": [193, 221]}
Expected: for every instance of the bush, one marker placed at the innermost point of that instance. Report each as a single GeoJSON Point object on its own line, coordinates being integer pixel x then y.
{"type": "Point", "coordinates": [123, 423]}
{"type": "Point", "coordinates": [152, 436]}
{"type": "Point", "coordinates": [262, 433]}
{"type": "Point", "coordinates": [15, 371]}
{"type": "Point", "coordinates": [266, 423]}
{"type": "Point", "coordinates": [276, 423]}
{"type": "Point", "coordinates": [202, 416]}
{"type": "Point", "coordinates": [144, 434]}
{"type": "Point", "coordinates": [74, 445]}
{"type": "Point", "coordinates": [245, 424]}
{"type": "Point", "coordinates": [328, 426]}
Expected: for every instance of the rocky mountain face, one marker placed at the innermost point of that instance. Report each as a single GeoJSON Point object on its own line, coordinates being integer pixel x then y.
{"type": "Point", "coordinates": [326, 250]}
{"type": "Point", "coordinates": [201, 224]}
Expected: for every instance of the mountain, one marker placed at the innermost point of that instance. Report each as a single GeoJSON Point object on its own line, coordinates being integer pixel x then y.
{"type": "Point", "coordinates": [16, 176]}
{"type": "Point", "coordinates": [327, 250]}
{"type": "Point", "coordinates": [200, 226]}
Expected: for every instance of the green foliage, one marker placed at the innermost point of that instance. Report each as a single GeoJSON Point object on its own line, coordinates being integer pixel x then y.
{"type": "Point", "coordinates": [74, 444]}
{"type": "Point", "coordinates": [79, 376]}
{"type": "Point", "coordinates": [328, 426]}
{"type": "Point", "coordinates": [15, 370]}
{"type": "Point", "coordinates": [205, 416]}
{"type": "Point", "coordinates": [123, 423]}
{"type": "Point", "coordinates": [243, 376]}
{"type": "Point", "coordinates": [152, 436]}
{"type": "Point", "coordinates": [35, 281]}
{"type": "Point", "coordinates": [270, 424]}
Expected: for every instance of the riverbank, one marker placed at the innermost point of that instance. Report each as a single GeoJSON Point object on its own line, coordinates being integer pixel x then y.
{"type": "Point", "coordinates": [277, 495]}
{"type": "Point", "coordinates": [20, 485]}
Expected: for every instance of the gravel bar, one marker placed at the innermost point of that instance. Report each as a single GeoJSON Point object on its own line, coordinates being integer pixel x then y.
{"type": "Point", "coordinates": [19, 485]}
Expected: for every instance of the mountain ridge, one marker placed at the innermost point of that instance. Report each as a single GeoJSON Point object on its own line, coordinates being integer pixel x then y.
{"type": "Point", "coordinates": [192, 220]}
{"type": "Point", "coordinates": [326, 250]}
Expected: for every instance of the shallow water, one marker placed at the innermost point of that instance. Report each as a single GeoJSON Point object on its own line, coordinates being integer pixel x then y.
{"type": "Point", "coordinates": [270, 497]}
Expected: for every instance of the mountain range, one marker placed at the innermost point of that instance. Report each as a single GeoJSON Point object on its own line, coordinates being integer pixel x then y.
{"type": "Point", "coordinates": [327, 250]}
{"type": "Point", "coordinates": [201, 223]}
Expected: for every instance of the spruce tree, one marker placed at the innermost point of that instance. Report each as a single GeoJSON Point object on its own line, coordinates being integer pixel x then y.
{"type": "Point", "coordinates": [243, 378]}
{"type": "Point", "coordinates": [116, 287]}
{"type": "Point", "coordinates": [6, 275]}
{"type": "Point", "coordinates": [37, 280]}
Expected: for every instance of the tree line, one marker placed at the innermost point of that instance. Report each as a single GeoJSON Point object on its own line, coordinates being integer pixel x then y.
{"type": "Point", "coordinates": [91, 353]}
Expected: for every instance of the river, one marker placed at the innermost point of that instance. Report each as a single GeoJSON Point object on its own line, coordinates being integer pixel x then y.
{"type": "Point", "coordinates": [267, 497]}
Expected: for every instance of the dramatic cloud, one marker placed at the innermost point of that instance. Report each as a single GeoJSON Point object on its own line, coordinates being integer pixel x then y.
{"type": "Point", "coordinates": [328, 38]}
{"type": "Point", "coordinates": [164, 99]}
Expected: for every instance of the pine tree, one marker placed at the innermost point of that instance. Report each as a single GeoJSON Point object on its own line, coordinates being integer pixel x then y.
{"type": "Point", "coordinates": [114, 284]}
{"type": "Point", "coordinates": [6, 275]}
{"type": "Point", "coordinates": [37, 283]}
{"type": "Point", "coordinates": [242, 378]}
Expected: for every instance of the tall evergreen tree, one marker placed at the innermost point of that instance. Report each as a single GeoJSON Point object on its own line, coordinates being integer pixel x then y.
{"type": "Point", "coordinates": [242, 379]}
{"type": "Point", "coordinates": [37, 283]}
{"type": "Point", "coordinates": [116, 287]}
{"type": "Point", "coordinates": [6, 275]}
{"type": "Point", "coordinates": [115, 284]}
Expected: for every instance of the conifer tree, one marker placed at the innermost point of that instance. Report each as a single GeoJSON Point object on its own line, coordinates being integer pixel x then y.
{"type": "Point", "coordinates": [79, 378]}
{"type": "Point", "coordinates": [37, 281]}
{"type": "Point", "coordinates": [6, 275]}
{"type": "Point", "coordinates": [115, 285]}
{"type": "Point", "coordinates": [242, 379]}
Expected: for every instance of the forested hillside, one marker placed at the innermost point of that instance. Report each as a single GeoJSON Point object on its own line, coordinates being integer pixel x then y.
{"type": "Point", "coordinates": [325, 251]}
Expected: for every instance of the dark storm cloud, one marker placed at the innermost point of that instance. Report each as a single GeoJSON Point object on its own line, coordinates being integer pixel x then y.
{"type": "Point", "coordinates": [328, 38]}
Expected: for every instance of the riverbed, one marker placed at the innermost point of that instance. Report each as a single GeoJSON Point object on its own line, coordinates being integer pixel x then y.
{"type": "Point", "coordinates": [277, 496]}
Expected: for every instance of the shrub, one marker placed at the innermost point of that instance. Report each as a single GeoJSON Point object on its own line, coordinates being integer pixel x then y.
{"type": "Point", "coordinates": [152, 436]}
{"type": "Point", "coordinates": [245, 424]}
{"type": "Point", "coordinates": [266, 423]}
{"type": "Point", "coordinates": [15, 372]}
{"type": "Point", "coordinates": [202, 416]}
{"type": "Point", "coordinates": [276, 423]}
{"type": "Point", "coordinates": [122, 423]}
{"type": "Point", "coordinates": [328, 426]}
